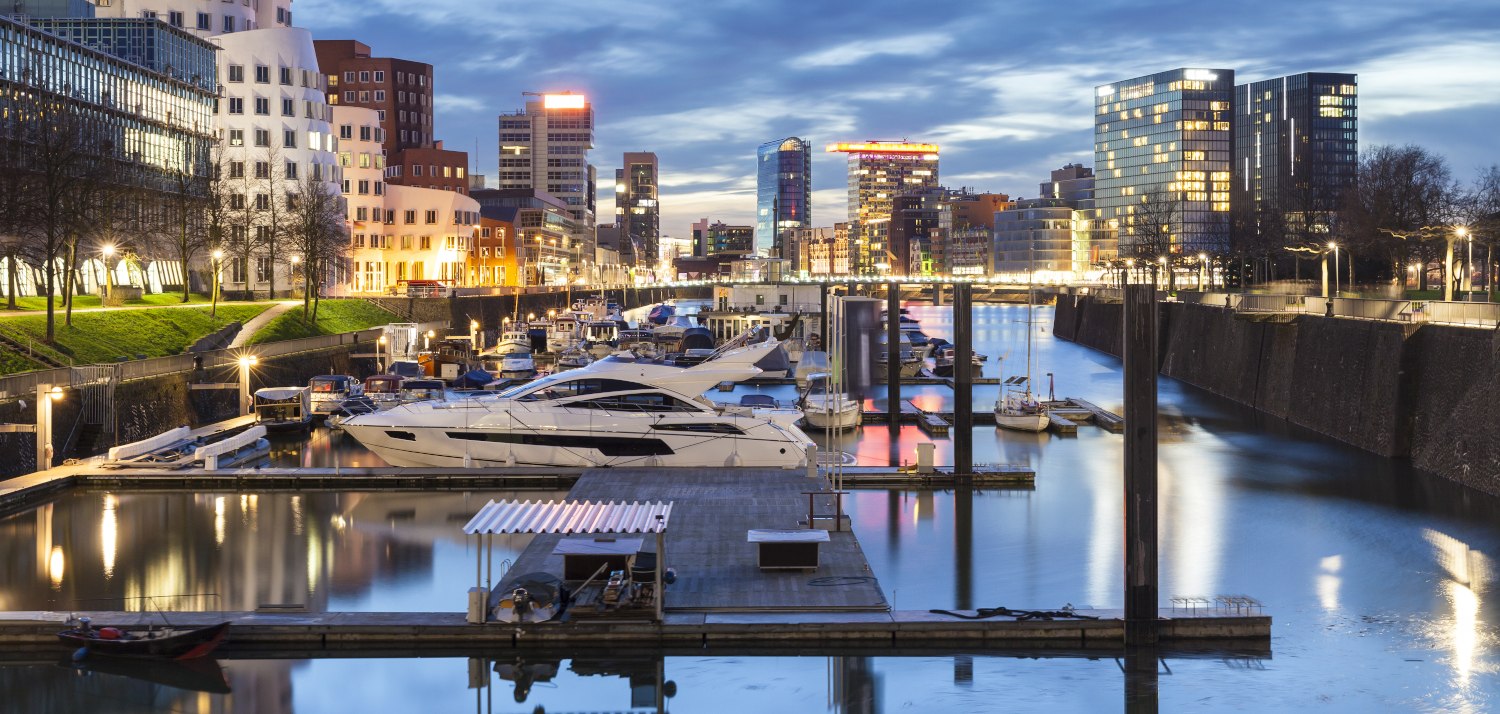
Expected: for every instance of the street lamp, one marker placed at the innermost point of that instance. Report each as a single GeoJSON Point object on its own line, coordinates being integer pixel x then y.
{"type": "Point", "coordinates": [1335, 248]}
{"type": "Point", "coordinates": [1469, 265]}
{"type": "Point", "coordinates": [474, 334]}
{"type": "Point", "coordinates": [1202, 270]}
{"type": "Point", "coordinates": [109, 281]}
{"type": "Point", "coordinates": [246, 362]}
{"type": "Point", "coordinates": [297, 260]}
{"type": "Point", "coordinates": [380, 351]}
{"type": "Point", "coordinates": [427, 342]}
{"type": "Point", "coordinates": [218, 256]}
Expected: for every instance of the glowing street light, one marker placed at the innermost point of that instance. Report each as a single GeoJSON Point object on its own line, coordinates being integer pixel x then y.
{"type": "Point", "coordinates": [246, 362]}
{"type": "Point", "coordinates": [1335, 248]}
{"type": "Point", "coordinates": [218, 256]}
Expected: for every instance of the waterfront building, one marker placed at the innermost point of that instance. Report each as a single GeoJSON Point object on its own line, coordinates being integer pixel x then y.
{"type": "Point", "coordinates": [914, 230]}
{"type": "Point", "coordinates": [547, 252]}
{"type": "Point", "coordinates": [1162, 149]}
{"type": "Point", "coordinates": [878, 172]}
{"type": "Point", "coordinates": [830, 251]}
{"type": "Point", "coordinates": [721, 239]}
{"type": "Point", "coordinates": [783, 194]}
{"type": "Point", "coordinates": [1054, 236]}
{"type": "Point", "coordinates": [545, 147]}
{"type": "Point", "coordinates": [670, 250]}
{"type": "Point", "coordinates": [399, 233]}
{"type": "Point", "coordinates": [637, 212]}
{"type": "Point", "coordinates": [1296, 148]}
{"type": "Point", "coordinates": [399, 90]}
{"type": "Point", "coordinates": [200, 17]}
{"type": "Point", "coordinates": [143, 92]}
{"type": "Point", "coordinates": [494, 261]}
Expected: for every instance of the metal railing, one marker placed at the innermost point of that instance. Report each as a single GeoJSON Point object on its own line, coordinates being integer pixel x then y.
{"type": "Point", "coordinates": [1437, 312]}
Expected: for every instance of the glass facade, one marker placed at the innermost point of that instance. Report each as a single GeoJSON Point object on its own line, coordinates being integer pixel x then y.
{"type": "Point", "coordinates": [1166, 137]}
{"type": "Point", "coordinates": [156, 121]}
{"type": "Point", "coordinates": [149, 43]}
{"type": "Point", "coordinates": [545, 147]}
{"type": "Point", "coordinates": [783, 194]}
{"type": "Point", "coordinates": [1296, 144]}
{"type": "Point", "coordinates": [637, 212]}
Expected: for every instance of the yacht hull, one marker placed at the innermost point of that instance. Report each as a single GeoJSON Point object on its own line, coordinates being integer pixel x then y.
{"type": "Point", "coordinates": [1021, 422]}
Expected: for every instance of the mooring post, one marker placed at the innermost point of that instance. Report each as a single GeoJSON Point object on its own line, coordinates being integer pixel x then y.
{"type": "Point", "coordinates": [823, 289]}
{"type": "Point", "coordinates": [893, 359]}
{"type": "Point", "coordinates": [1140, 465]}
{"type": "Point", "coordinates": [963, 381]}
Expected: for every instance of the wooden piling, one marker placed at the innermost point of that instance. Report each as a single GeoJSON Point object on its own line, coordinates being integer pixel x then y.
{"type": "Point", "coordinates": [1140, 465]}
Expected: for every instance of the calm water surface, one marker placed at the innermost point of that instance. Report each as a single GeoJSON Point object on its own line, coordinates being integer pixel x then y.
{"type": "Point", "coordinates": [1381, 581]}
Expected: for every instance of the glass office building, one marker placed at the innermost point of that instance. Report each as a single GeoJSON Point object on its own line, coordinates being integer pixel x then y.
{"type": "Point", "coordinates": [637, 212]}
{"type": "Point", "coordinates": [1167, 137]}
{"type": "Point", "coordinates": [1296, 145]}
{"type": "Point", "coordinates": [160, 123]}
{"type": "Point", "coordinates": [879, 171]}
{"type": "Point", "coordinates": [783, 195]}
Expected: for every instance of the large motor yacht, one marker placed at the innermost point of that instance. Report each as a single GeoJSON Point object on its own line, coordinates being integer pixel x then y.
{"type": "Point", "coordinates": [611, 413]}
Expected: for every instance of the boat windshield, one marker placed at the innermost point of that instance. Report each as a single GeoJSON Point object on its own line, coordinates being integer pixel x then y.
{"type": "Point", "coordinates": [328, 384]}
{"type": "Point", "coordinates": [562, 384]}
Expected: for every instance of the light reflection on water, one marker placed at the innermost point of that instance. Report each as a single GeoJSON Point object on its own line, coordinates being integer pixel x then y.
{"type": "Point", "coordinates": [1377, 577]}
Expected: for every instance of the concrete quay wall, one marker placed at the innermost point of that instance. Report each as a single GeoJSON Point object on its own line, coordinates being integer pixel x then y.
{"type": "Point", "coordinates": [1405, 391]}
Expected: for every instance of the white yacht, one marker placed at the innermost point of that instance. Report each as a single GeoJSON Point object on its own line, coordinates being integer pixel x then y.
{"type": "Point", "coordinates": [825, 409]}
{"type": "Point", "coordinates": [513, 341]}
{"type": "Point", "coordinates": [611, 413]}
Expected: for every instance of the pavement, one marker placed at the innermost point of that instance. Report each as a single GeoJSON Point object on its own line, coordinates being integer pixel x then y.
{"type": "Point", "coordinates": [249, 329]}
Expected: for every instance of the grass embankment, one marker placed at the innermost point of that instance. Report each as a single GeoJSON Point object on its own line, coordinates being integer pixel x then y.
{"type": "Point", "coordinates": [334, 317]}
{"type": "Point", "coordinates": [30, 304]}
{"type": "Point", "coordinates": [106, 336]}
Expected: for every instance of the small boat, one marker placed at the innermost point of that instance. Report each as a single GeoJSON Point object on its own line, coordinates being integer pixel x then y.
{"type": "Point", "coordinates": [942, 359]}
{"type": "Point", "coordinates": [812, 362]}
{"type": "Point", "coordinates": [910, 366]}
{"type": "Point", "coordinates": [1018, 410]}
{"type": "Point", "coordinates": [283, 408]}
{"type": "Point", "coordinates": [328, 391]}
{"type": "Point", "coordinates": [661, 314]}
{"type": "Point", "coordinates": [529, 598]}
{"type": "Point", "coordinates": [421, 390]}
{"type": "Point", "coordinates": [512, 341]}
{"type": "Point", "coordinates": [823, 409]}
{"type": "Point", "coordinates": [384, 390]}
{"type": "Point", "coordinates": [573, 358]}
{"type": "Point", "coordinates": [517, 365]}
{"type": "Point", "coordinates": [159, 642]}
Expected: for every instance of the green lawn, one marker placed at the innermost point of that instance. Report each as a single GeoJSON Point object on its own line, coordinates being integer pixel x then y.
{"type": "Point", "coordinates": [30, 304]}
{"type": "Point", "coordinates": [334, 317]}
{"type": "Point", "coordinates": [104, 336]}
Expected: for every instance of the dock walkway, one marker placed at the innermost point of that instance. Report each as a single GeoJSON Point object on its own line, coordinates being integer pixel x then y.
{"type": "Point", "coordinates": [706, 545]}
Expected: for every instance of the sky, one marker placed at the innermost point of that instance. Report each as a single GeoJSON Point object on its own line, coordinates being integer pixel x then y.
{"type": "Point", "coordinates": [1005, 88]}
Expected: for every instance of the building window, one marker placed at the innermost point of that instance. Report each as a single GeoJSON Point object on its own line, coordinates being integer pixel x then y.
{"type": "Point", "coordinates": [236, 137]}
{"type": "Point", "coordinates": [262, 106]}
{"type": "Point", "coordinates": [291, 170]}
{"type": "Point", "coordinates": [281, 16]}
{"type": "Point", "coordinates": [380, 95]}
{"type": "Point", "coordinates": [364, 187]}
{"type": "Point", "coordinates": [431, 217]}
{"type": "Point", "coordinates": [349, 97]}
{"type": "Point", "coordinates": [289, 107]}
{"type": "Point", "coordinates": [262, 74]}
{"type": "Point", "coordinates": [380, 114]}
{"type": "Point", "coordinates": [262, 170]}
{"type": "Point", "coordinates": [416, 169]}
{"type": "Point", "coordinates": [236, 105]}
{"type": "Point", "coordinates": [286, 76]}
{"type": "Point", "coordinates": [364, 133]}
{"type": "Point", "coordinates": [361, 213]}
{"type": "Point", "coordinates": [426, 243]}
{"type": "Point", "coordinates": [262, 137]}
{"type": "Point", "coordinates": [289, 139]}
{"type": "Point", "coordinates": [379, 189]}
{"type": "Point", "coordinates": [346, 131]}
{"type": "Point", "coordinates": [262, 203]}
{"type": "Point", "coordinates": [364, 160]}
{"type": "Point", "coordinates": [205, 21]}
{"type": "Point", "coordinates": [174, 18]}
{"type": "Point", "coordinates": [409, 217]}
{"type": "Point", "coordinates": [236, 169]}
{"type": "Point", "coordinates": [229, 23]}
{"type": "Point", "coordinates": [364, 76]}
{"type": "Point", "coordinates": [379, 76]}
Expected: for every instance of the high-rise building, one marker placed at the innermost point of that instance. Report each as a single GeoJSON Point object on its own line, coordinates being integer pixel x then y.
{"type": "Point", "coordinates": [783, 194]}
{"type": "Point", "coordinates": [1056, 233]}
{"type": "Point", "coordinates": [722, 239]}
{"type": "Point", "coordinates": [878, 172]}
{"type": "Point", "coordinates": [545, 147]}
{"type": "Point", "coordinates": [1162, 149]}
{"type": "Point", "coordinates": [1296, 146]}
{"type": "Point", "coordinates": [636, 209]}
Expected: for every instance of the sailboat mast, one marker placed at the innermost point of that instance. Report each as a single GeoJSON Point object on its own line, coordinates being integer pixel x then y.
{"type": "Point", "coordinates": [1030, 272]}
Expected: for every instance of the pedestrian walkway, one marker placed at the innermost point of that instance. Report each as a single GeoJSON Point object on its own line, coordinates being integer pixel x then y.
{"type": "Point", "coordinates": [249, 329]}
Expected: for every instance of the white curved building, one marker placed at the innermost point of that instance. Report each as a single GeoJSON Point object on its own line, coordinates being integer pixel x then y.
{"type": "Point", "coordinates": [204, 18]}
{"type": "Point", "coordinates": [273, 120]}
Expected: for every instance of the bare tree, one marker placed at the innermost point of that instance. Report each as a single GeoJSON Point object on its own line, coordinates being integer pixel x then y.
{"type": "Point", "coordinates": [1152, 225]}
{"type": "Point", "coordinates": [1402, 208]}
{"type": "Point", "coordinates": [14, 186]}
{"type": "Point", "coordinates": [272, 188]}
{"type": "Point", "coordinates": [316, 232]}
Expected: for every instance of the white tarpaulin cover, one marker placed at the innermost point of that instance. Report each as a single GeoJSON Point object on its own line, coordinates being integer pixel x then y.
{"type": "Point", "coordinates": [582, 517]}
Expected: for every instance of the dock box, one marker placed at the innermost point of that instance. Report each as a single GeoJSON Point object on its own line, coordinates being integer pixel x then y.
{"type": "Point", "coordinates": [795, 549]}
{"type": "Point", "coordinates": [583, 556]}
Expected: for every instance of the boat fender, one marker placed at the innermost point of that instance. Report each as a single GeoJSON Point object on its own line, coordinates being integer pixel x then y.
{"type": "Point", "coordinates": [109, 633]}
{"type": "Point", "coordinates": [670, 576]}
{"type": "Point", "coordinates": [80, 653]}
{"type": "Point", "coordinates": [735, 460]}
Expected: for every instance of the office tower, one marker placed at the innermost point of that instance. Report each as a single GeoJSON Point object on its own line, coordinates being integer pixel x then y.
{"type": "Point", "coordinates": [1296, 149]}
{"type": "Point", "coordinates": [637, 212]}
{"type": "Point", "coordinates": [545, 147]}
{"type": "Point", "coordinates": [1162, 149]}
{"type": "Point", "coordinates": [783, 194]}
{"type": "Point", "coordinates": [878, 172]}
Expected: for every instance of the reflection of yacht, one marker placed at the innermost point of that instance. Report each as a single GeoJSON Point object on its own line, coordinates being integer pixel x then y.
{"type": "Point", "coordinates": [612, 413]}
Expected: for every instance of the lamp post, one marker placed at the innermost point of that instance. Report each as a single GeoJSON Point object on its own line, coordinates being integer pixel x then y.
{"type": "Point", "coordinates": [427, 340]}
{"type": "Point", "coordinates": [474, 334]}
{"type": "Point", "coordinates": [1468, 264]}
{"type": "Point", "coordinates": [218, 256]}
{"type": "Point", "coordinates": [1202, 270]}
{"type": "Point", "coordinates": [296, 261]}
{"type": "Point", "coordinates": [1335, 248]}
{"type": "Point", "coordinates": [380, 352]}
{"type": "Point", "coordinates": [46, 394]}
{"type": "Point", "coordinates": [246, 362]}
{"type": "Point", "coordinates": [109, 281]}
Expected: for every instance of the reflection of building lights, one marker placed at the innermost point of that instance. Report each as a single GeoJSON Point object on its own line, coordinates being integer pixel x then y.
{"type": "Point", "coordinates": [219, 520]}
{"type": "Point", "coordinates": [338, 521]}
{"type": "Point", "coordinates": [1465, 629]}
{"type": "Point", "coordinates": [1329, 582]}
{"type": "Point", "coordinates": [108, 534]}
{"type": "Point", "coordinates": [55, 565]}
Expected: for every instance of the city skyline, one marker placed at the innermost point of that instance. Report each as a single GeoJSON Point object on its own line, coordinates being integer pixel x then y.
{"type": "Point", "coordinates": [702, 92]}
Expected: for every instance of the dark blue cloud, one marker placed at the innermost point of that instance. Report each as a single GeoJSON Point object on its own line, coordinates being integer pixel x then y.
{"type": "Point", "coordinates": [1005, 87]}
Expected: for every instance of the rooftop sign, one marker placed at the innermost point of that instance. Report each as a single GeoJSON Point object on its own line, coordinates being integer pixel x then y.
{"type": "Point", "coordinates": [563, 101]}
{"type": "Point", "coordinates": [882, 147]}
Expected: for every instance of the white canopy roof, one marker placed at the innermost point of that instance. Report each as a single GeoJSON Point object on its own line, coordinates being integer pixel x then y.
{"type": "Point", "coordinates": [582, 517]}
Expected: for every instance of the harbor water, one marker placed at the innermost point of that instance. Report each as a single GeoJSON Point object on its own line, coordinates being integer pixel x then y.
{"type": "Point", "coordinates": [1381, 580]}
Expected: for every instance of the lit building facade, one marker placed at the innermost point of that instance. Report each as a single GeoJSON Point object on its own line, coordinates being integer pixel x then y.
{"type": "Point", "coordinates": [494, 261]}
{"type": "Point", "coordinates": [1296, 145]}
{"type": "Point", "coordinates": [153, 113]}
{"type": "Point", "coordinates": [830, 251]}
{"type": "Point", "coordinates": [545, 147]}
{"type": "Point", "coordinates": [361, 156]}
{"type": "Point", "coordinates": [783, 194]}
{"type": "Point", "coordinates": [878, 172]}
{"type": "Point", "coordinates": [637, 211]}
{"type": "Point", "coordinates": [544, 225]}
{"type": "Point", "coordinates": [1036, 236]}
{"type": "Point", "coordinates": [722, 239]}
{"type": "Point", "coordinates": [204, 18]}
{"type": "Point", "coordinates": [1165, 137]}
{"type": "Point", "coordinates": [399, 90]}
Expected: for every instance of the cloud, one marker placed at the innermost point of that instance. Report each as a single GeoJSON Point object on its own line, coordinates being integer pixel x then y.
{"type": "Point", "coordinates": [918, 45]}
{"type": "Point", "coordinates": [1456, 73]}
{"type": "Point", "coordinates": [456, 103]}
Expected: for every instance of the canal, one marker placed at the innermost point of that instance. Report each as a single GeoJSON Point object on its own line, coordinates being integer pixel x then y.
{"type": "Point", "coordinates": [1381, 580]}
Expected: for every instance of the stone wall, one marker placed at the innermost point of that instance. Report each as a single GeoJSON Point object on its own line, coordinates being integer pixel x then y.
{"type": "Point", "coordinates": [1404, 391]}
